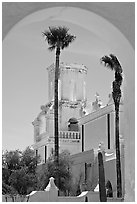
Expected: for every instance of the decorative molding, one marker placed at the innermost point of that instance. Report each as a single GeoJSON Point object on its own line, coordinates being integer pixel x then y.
{"type": "Point", "coordinates": [72, 104]}
{"type": "Point", "coordinates": [73, 67]}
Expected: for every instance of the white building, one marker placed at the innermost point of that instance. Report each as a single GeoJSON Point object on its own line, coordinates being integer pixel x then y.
{"type": "Point", "coordinates": [81, 127]}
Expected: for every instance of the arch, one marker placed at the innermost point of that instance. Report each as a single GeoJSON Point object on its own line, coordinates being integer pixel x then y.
{"type": "Point", "coordinates": [73, 125]}
{"type": "Point", "coordinates": [125, 52]}
{"type": "Point", "coordinates": [13, 12]}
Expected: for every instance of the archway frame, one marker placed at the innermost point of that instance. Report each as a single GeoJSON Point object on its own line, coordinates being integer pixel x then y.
{"type": "Point", "coordinates": [118, 10]}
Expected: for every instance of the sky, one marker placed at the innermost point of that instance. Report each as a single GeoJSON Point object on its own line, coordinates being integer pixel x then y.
{"type": "Point", "coordinates": [25, 57]}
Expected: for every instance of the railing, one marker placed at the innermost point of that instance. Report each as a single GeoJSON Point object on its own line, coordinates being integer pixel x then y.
{"type": "Point", "coordinates": [62, 135]}
{"type": "Point", "coordinates": [69, 135]}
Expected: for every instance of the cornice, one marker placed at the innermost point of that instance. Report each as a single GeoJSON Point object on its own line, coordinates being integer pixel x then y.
{"type": "Point", "coordinates": [72, 67]}
{"type": "Point", "coordinates": [96, 114]}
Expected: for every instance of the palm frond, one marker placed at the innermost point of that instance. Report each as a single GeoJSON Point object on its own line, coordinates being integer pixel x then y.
{"type": "Point", "coordinates": [67, 40]}
{"type": "Point", "coordinates": [58, 36]}
{"type": "Point", "coordinates": [116, 62]}
{"type": "Point", "coordinates": [59, 32]}
{"type": "Point", "coordinates": [107, 61]}
{"type": "Point", "coordinates": [112, 62]}
{"type": "Point", "coordinates": [49, 37]}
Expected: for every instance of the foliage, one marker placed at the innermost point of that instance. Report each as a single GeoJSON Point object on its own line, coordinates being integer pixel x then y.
{"type": "Point", "coordinates": [29, 160]}
{"type": "Point", "coordinates": [7, 189]}
{"type": "Point", "coordinates": [49, 169]}
{"type": "Point", "coordinates": [21, 180]}
{"type": "Point", "coordinates": [19, 171]}
{"type": "Point", "coordinates": [5, 175]}
{"type": "Point", "coordinates": [11, 159]}
{"type": "Point", "coordinates": [58, 36]}
{"type": "Point", "coordinates": [112, 62]}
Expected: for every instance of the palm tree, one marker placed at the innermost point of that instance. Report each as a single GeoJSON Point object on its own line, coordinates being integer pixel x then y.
{"type": "Point", "coordinates": [112, 62]}
{"type": "Point", "coordinates": [58, 38]}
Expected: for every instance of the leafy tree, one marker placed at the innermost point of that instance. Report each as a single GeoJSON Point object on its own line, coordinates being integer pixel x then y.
{"type": "Point", "coordinates": [113, 63]}
{"type": "Point", "coordinates": [11, 159]}
{"type": "Point", "coordinates": [19, 171]}
{"type": "Point", "coordinates": [29, 160]}
{"type": "Point", "coordinates": [8, 190]}
{"type": "Point", "coordinates": [5, 175]}
{"type": "Point", "coordinates": [58, 38]}
{"type": "Point", "coordinates": [21, 180]}
{"type": "Point", "coordinates": [10, 162]}
{"type": "Point", "coordinates": [49, 169]}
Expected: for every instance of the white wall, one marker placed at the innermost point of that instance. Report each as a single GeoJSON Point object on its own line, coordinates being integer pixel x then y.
{"type": "Point", "coordinates": [95, 132]}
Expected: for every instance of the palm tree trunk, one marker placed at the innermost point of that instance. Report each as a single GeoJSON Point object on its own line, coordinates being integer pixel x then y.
{"type": "Point", "coordinates": [118, 164]}
{"type": "Point", "coordinates": [56, 133]}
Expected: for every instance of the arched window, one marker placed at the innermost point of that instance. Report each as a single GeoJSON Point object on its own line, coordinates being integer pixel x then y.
{"type": "Point", "coordinates": [73, 124]}
{"type": "Point", "coordinates": [86, 199]}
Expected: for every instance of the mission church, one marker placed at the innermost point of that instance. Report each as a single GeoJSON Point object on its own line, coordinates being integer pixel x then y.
{"type": "Point", "coordinates": [82, 127]}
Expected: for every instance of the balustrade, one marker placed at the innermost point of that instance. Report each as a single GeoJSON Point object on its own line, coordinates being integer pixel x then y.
{"type": "Point", "coordinates": [69, 135]}
{"type": "Point", "coordinates": [62, 135]}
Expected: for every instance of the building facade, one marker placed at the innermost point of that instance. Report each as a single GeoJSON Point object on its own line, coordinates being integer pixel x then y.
{"type": "Point", "coordinates": [72, 101]}
{"type": "Point", "coordinates": [80, 128]}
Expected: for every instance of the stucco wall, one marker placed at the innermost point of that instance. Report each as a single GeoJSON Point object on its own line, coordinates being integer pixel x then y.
{"type": "Point", "coordinates": [90, 157]}
{"type": "Point", "coordinates": [96, 131]}
{"type": "Point", "coordinates": [78, 165]}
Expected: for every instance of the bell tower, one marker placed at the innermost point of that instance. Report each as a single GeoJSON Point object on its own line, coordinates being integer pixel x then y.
{"type": "Point", "coordinates": [72, 100]}
{"type": "Point", "coordinates": [72, 85]}
{"type": "Point", "coordinates": [71, 91]}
